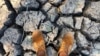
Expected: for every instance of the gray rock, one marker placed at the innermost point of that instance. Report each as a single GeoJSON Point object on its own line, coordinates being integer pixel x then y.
{"type": "Point", "coordinates": [24, 3]}
{"type": "Point", "coordinates": [74, 46]}
{"type": "Point", "coordinates": [93, 10]}
{"type": "Point", "coordinates": [30, 20]}
{"type": "Point", "coordinates": [51, 51]}
{"type": "Point", "coordinates": [46, 38]}
{"type": "Point", "coordinates": [29, 54]}
{"type": "Point", "coordinates": [52, 14]}
{"type": "Point", "coordinates": [79, 6]}
{"type": "Point", "coordinates": [95, 52]}
{"type": "Point", "coordinates": [78, 22]}
{"type": "Point", "coordinates": [27, 43]}
{"type": "Point", "coordinates": [30, 3]}
{"type": "Point", "coordinates": [65, 21]}
{"type": "Point", "coordinates": [46, 6]}
{"type": "Point", "coordinates": [56, 2]}
{"type": "Point", "coordinates": [17, 50]}
{"type": "Point", "coordinates": [86, 23]}
{"type": "Point", "coordinates": [97, 45]}
{"type": "Point", "coordinates": [72, 6]}
{"type": "Point", "coordinates": [46, 26]}
{"type": "Point", "coordinates": [81, 40]}
{"type": "Point", "coordinates": [42, 1]}
{"type": "Point", "coordinates": [56, 43]}
{"type": "Point", "coordinates": [11, 36]}
{"type": "Point", "coordinates": [53, 34]}
{"type": "Point", "coordinates": [91, 28]}
{"type": "Point", "coordinates": [85, 52]}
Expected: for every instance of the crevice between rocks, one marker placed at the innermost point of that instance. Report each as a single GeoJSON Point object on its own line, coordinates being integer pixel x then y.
{"type": "Point", "coordinates": [9, 6]}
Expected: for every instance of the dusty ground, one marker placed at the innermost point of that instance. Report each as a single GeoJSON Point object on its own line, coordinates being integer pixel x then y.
{"type": "Point", "coordinates": [19, 18]}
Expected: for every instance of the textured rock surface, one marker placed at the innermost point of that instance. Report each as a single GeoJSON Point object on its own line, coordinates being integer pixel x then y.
{"type": "Point", "coordinates": [27, 43]}
{"type": "Point", "coordinates": [4, 13]}
{"type": "Point", "coordinates": [19, 18]}
{"type": "Point", "coordinates": [55, 2]}
{"type": "Point", "coordinates": [81, 40]}
{"type": "Point", "coordinates": [91, 28]}
{"type": "Point", "coordinates": [93, 10]}
{"type": "Point", "coordinates": [51, 51]}
{"type": "Point", "coordinates": [12, 36]}
{"type": "Point", "coordinates": [30, 20]}
{"type": "Point", "coordinates": [52, 35]}
{"type": "Point", "coordinates": [46, 7]}
{"type": "Point", "coordinates": [24, 3]}
{"type": "Point", "coordinates": [46, 26]}
{"type": "Point", "coordinates": [95, 52]}
{"type": "Point", "coordinates": [72, 6]}
{"type": "Point", "coordinates": [67, 21]}
{"type": "Point", "coordinates": [96, 46]}
{"type": "Point", "coordinates": [42, 1]}
{"type": "Point", "coordinates": [29, 54]}
{"type": "Point", "coordinates": [52, 14]}
{"type": "Point", "coordinates": [78, 22]}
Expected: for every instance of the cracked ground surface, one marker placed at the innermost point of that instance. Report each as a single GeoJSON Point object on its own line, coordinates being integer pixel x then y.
{"type": "Point", "coordinates": [19, 18]}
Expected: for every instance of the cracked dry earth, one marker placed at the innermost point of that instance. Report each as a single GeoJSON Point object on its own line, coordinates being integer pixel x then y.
{"type": "Point", "coordinates": [19, 18]}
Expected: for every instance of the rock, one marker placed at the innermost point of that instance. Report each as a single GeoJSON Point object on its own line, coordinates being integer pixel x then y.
{"type": "Point", "coordinates": [55, 2]}
{"type": "Point", "coordinates": [46, 26]}
{"type": "Point", "coordinates": [24, 3]}
{"type": "Point", "coordinates": [46, 6]}
{"type": "Point", "coordinates": [65, 21]}
{"type": "Point", "coordinates": [52, 35]}
{"type": "Point", "coordinates": [74, 46]}
{"type": "Point", "coordinates": [4, 13]}
{"type": "Point", "coordinates": [79, 6]}
{"type": "Point", "coordinates": [81, 40]}
{"type": "Point", "coordinates": [29, 3]}
{"type": "Point", "coordinates": [29, 54]}
{"type": "Point", "coordinates": [17, 50]}
{"type": "Point", "coordinates": [86, 23]}
{"type": "Point", "coordinates": [51, 51]}
{"type": "Point", "coordinates": [91, 28]}
{"type": "Point", "coordinates": [27, 43]}
{"type": "Point", "coordinates": [42, 1]}
{"type": "Point", "coordinates": [72, 6]}
{"type": "Point", "coordinates": [78, 22]}
{"type": "Point", "coordinates": [30, 20]}
{"type": "Point", "coordinates": [16, 4]}
{"type": "Point", "coordinates": [85, 52]}
{"type": "Point", "coordinates": [56, 43]}
{"type": "Point", "coordinates": [93, 10]}
{"type": "Point", "coordinates": [68, 7]}
{"type": "Point", "coordinates": [11, 35]}
{"type": "Point", "coordinates": [97, 45]}
{"type": "Point", "coordinates": [95, 52]}
{"type": "Point", "coordinates": [52, 14]}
